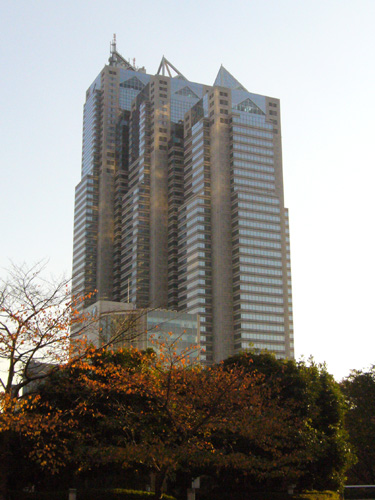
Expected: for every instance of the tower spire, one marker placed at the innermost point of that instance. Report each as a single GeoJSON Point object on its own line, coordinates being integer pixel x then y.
{"type": "Point", "coordinates": [113, 44]}
{"type": "Point", "coordinates": [116, 59]}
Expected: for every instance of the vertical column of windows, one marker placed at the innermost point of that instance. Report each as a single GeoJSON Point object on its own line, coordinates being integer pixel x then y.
{"type": "Point", "coordinates": [85, 238]}
{"type": "Point", "coordinates": [121, 188]}
{"type": "Point", "coordinates": [136, 211]}
{"type": "Point", "coordinates": [84, 279]}
{"type": "Point", "coordinates": [257, 247]}
{"type": "Point", "coordinates": [289, 272]}
{"type": "Point", "coordinates": [194, 251]}
{"type": "Point", "coordinates": [175, 200]}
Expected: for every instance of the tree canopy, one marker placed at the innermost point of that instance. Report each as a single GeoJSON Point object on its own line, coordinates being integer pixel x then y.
{"type": "Point", "coordinates": [251, 420]}
{"type": "Point", "coordinates": [137, 410]}
{"type": "Point", "coordinates": [318, 403]}
{"type": "Point", "coordinates": [36, 319]}
{"type": "Point", "coordinates": [359, 390]}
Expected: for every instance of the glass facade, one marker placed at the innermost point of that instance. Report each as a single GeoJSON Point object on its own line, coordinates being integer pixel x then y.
{"type": "Point", "coordinates": [177, 332]}
{"type": "Point", "coordinates": [194, 176]}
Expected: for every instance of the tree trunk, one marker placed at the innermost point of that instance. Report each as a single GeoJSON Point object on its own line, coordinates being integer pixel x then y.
{"type": "Point", "coordinates": [159, 483]}
{"type": "Point", "coordinates": [4, 460]}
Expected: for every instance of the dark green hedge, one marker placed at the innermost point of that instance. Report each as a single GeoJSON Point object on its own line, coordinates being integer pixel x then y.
{"type": "Point", "coordinates": [121, 494]}
{"type": "Point", "coordinates": [269, 495]}
{"type": "Point", "coordinates": [317, 495]}
{"type": "Point", "coordinates": [112, 494]}
{"type": "Point", "coordinates": [45, 495]}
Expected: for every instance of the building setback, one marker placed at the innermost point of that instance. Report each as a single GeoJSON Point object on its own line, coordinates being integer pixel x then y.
{"type": "Point", "coordinates": [181, 205]}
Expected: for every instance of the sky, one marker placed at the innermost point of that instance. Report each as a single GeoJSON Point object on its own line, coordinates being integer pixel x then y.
{"type": "Point", "coordinates": [316, 56]}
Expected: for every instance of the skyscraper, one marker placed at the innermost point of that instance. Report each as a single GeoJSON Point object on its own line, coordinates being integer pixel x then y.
{"type": "Point", "coordinates": [181, 205]}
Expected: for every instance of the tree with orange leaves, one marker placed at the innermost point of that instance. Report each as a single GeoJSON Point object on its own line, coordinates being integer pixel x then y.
{"type": "Point", "coordinates": [36, 319]}
{"type": "Point", "coordinates": [163, 414]}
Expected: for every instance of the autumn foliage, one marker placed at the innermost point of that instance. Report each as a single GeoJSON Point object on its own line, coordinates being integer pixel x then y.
{"type": "Point", "coordinates": [252, 420]}
{"type": "Point", "coordinates": [162, 414]}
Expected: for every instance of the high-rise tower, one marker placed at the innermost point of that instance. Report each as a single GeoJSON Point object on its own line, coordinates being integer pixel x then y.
{"type": "Point", "coordinates": [181, 204]}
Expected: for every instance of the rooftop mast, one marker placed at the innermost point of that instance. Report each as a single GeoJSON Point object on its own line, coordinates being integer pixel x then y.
{"type": "Point", "coordinates": [116, 58]}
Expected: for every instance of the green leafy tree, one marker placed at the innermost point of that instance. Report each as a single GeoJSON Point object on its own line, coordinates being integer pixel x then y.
{"type": "Point", "coordinates": [359, 390]}
{"type": "Point", "coordinates": [319, 405]}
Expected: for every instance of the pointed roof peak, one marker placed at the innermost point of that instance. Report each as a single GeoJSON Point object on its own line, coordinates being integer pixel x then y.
{"type": "Point", "coordinates": [226, 79]}
{"type": "Point", "coordinates": [166, 66]}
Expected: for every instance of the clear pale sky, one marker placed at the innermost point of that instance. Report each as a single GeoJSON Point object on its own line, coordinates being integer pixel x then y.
{"type": "Point", "coordinates": [317, 56]}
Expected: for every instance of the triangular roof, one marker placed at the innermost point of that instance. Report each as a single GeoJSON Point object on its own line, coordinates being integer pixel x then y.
{"type": "Point", "coordinates": [248, 106]}
{"type": "Point", "coordinates": [133, 83]}
{"type": "Point", "coordinates": [225, 79]}
{"type": "Point", "coordinates": [187, 92]}
{"type": "Point", "coordinates": [165, 65]}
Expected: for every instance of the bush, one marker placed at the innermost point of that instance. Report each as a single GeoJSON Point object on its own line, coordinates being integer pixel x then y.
{"type": "Point", "coordinates": [38, 495]}
{"type": "Point", "coordinates": [317, 495]}
{"type": "Point", "coordinates": [108, 494]}
{"type": "Point", "coordinates": [116, 494]}
{"type": "Point", "coordinates": [270, 495]}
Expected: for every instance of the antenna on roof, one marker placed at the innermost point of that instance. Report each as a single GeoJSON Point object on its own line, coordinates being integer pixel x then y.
{"type": "Point", "coordinates": [116, 59]}
{"type": "Point", "coordinates": [113, 44]}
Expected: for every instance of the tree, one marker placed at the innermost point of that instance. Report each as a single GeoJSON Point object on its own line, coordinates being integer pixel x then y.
{"type": "Point", "coordinates": [163, 414]}
{"type": "Point", "coordinates": [359, 390]}
{"type": "Point", "coordinates": [36, 318]}
{"type": "Point", "coordinates": [318, 405]}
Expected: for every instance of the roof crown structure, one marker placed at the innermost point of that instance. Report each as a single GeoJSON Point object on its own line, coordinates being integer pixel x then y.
{"type": "Point", "coordinates": [165, 65]}
{"type": "Point", "coordinates": [116, 59]}
{"type": "Point", "coordinates": [248, 106]}
{"type": "Point", "coordinates": [225, 79]}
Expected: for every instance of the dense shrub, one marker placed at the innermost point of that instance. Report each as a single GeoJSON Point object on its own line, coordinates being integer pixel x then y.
{"type": "Point", "coordinates": [270, 495]}
{"type": "Point", "coordinates": [317, 495]}
{"type": "Point", "coordinates": [41, 495]}
{"type": "Point", "coordinates": [117, 494]}
{"type": "Point", "coordinates": [109, 494]}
